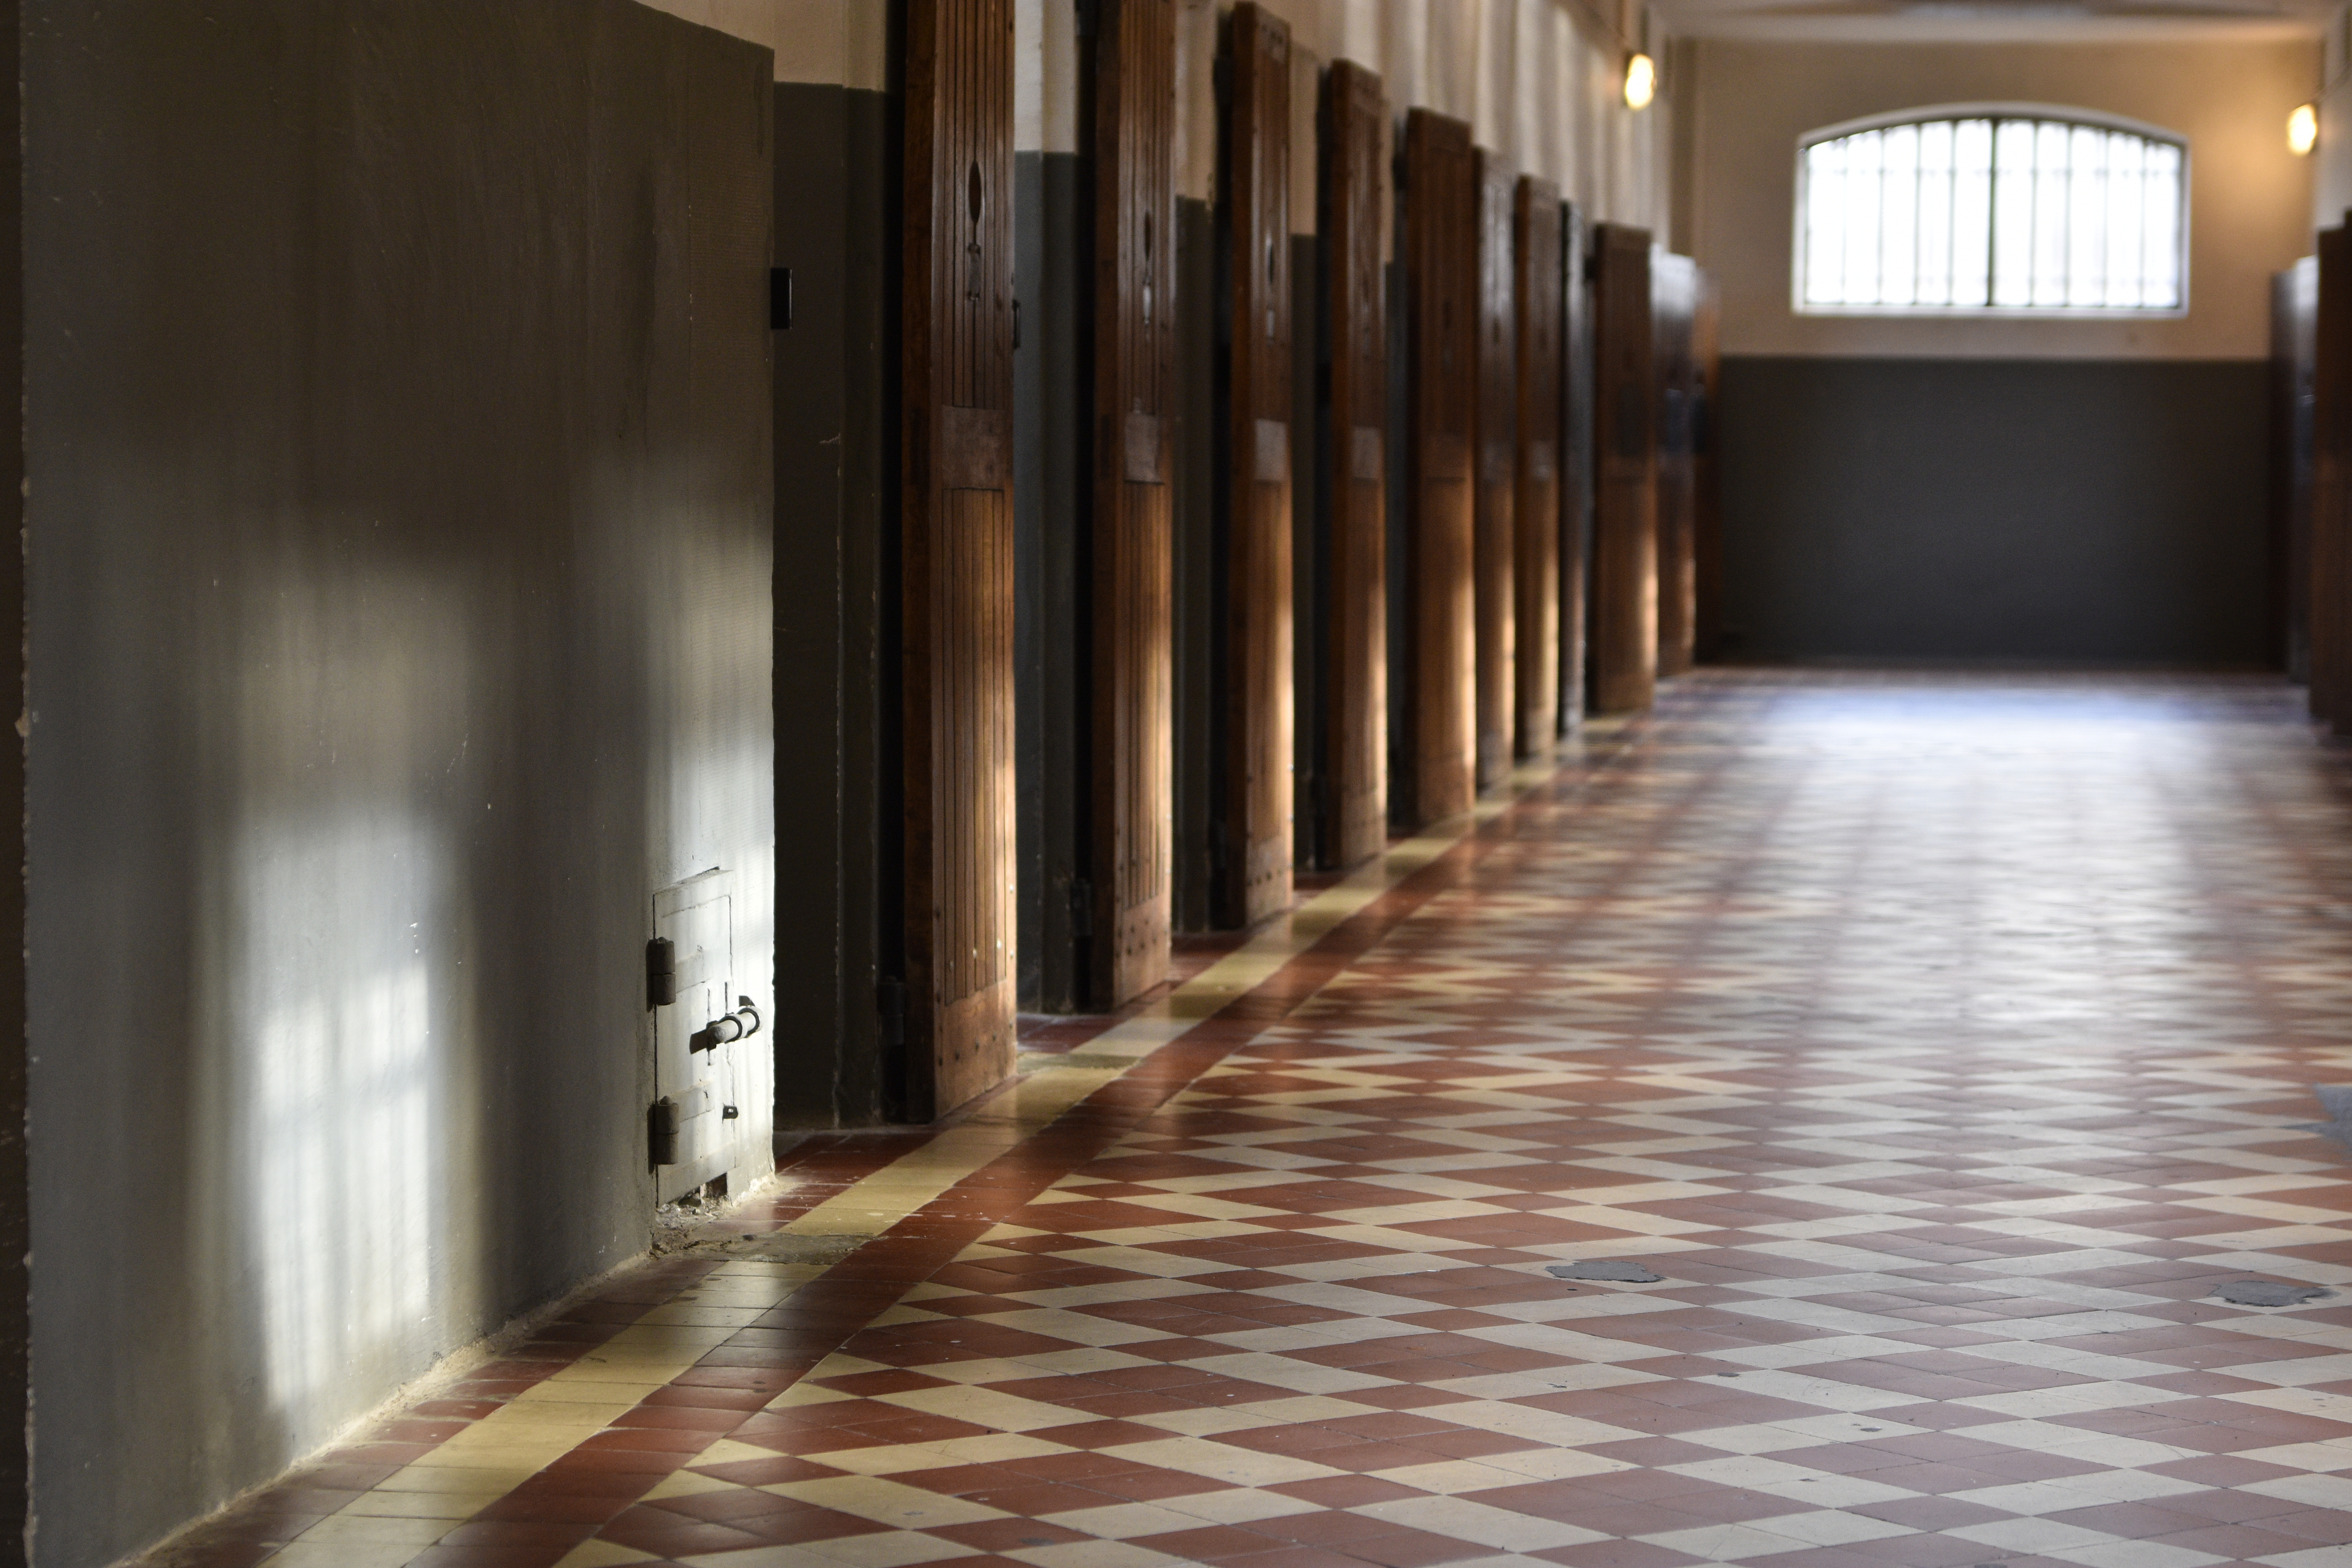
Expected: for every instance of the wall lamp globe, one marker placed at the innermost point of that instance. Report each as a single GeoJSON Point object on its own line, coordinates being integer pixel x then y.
{"type": "Point", "coordinates": [2303, 129]}
{"type": "Point", "coordinates": [1641, 81]}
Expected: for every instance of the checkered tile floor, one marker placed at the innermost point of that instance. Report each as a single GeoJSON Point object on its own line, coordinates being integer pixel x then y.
{"type": "Point", "coordinates": [1942, 1043]}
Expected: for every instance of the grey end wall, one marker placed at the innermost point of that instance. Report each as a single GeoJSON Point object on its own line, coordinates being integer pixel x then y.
{"type": "Point", "coordinates": [16, 1240]}
{"type": "Point", "coordinates": [836, 600]}
{"type": "Point", "coordinates": [1311, 556]}
{"type": "Point", "coordinates": [398, 444]}
{"type": "Point", "coordinates": [2034, 510]}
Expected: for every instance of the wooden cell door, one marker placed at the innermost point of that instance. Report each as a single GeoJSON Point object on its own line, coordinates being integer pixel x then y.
{"type": "Point", "coordinates": [1352, 753]}
{"type": "Point", "coordinates": [1674, 291]}
{"type": "Point", "coordinates": [1538, 290]}
{"type": "Point", "coordinates": [957, 551]}
{"type": "Point", "coordinates": [1576, 459]}
{"type": "Point", "coordinates": [1435, 776]}
{"type": "Point", "coordinates": [1496, 503]}
{"type": "Point", "coordinates": [1133, 87]}
{"type": "Point", "coordinates": [1252, 879]}
{"type": "Point", "coordinates": [1624, 632]}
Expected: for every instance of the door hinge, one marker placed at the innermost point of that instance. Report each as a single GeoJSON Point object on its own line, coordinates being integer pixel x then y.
{"type": "Point", "coordinates": [1082, 907]}
{"type": "Point", "coordinates": [661, 972]}
{"type": "Point", "coordinates": [661, 1131]}
{"type": "Point", "coordinates": [780, 298]}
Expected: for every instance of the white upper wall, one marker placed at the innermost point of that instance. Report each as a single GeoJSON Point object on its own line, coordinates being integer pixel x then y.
{"type": "Point", "coordinates": [1539, 79]}
{"type": "Point", "coordinates": [2250, 198]}
{"type": "Point", "coordinates": [2332, 179]}
{"type": "Point", "coordinates": [841, 43]}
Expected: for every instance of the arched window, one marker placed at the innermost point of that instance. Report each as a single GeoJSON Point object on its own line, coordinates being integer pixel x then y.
{"type": "Point", "coordinates": [1993, 208]}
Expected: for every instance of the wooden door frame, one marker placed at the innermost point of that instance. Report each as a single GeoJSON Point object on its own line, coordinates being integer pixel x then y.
{"type": "Point", "coordinates": [1352, 777]}
{"type": "Point", "coordinates": [956, 573]}
{"type": "Point", "coordinates": [1623, 637]}
{"type": "Point", "coordinates": [1434, 775]}
{"type": "Point", "coordinates": [1538, 226]}
{"type": "Point", "coordinates": [1132, 74]}
{"type": "Point", "coordinates": [1495, 505]}
{"type": "Point", "coordinates": [1253, 853]}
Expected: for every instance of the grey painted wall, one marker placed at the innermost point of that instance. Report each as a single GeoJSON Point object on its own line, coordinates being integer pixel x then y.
{"type": "Point", "coordinates": [1052, 206]}
{"type": "Point", "coordinates": [398, 445]}
{"type": "Point", "coordinates": [2045, 509]}
{"type": "Point", "coordinates": [15, 1239]}
{"type": "Point", "coordinates": [1201, 530]}
{"type": "Point", "coordinates": [836, 600]}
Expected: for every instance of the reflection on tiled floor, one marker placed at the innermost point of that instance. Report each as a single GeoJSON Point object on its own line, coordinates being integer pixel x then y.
{"type": "Point", "coordinates": [1942, 1043]}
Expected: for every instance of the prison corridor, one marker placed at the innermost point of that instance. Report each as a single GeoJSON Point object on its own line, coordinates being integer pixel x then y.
{"type": "Point", "coordinates": [1823, 1122]}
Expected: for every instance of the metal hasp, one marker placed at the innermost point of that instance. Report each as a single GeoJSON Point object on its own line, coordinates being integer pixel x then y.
{"type": "Point", "coordinates": [727, 1028]}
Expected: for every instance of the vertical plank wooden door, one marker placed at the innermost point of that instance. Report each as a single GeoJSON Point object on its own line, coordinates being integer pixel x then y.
{"type": "Point", "coordinates": [1436, 775]}
{"type": "Point", "coordinates": [1134, 148]}
{"type": "Point", "coordinates": [1353, 752]}
{"type": "Point", "coordinates": [1576, 464]}
{"type": "Point", "coordinates": [1495, 533]}
{"type": "Point", "coordinates": [1254, 879]}
{"type": "Point", "coordinates": [2331, 483]}
{"type": "Point", "coordinates": [1624, 633]}
{"type": "Point", "coordinates": [957, 551]}
{"type": "Point", "coordinates": [1535, 229]}
{"type": "Point", "coordinates": [1673, 285]}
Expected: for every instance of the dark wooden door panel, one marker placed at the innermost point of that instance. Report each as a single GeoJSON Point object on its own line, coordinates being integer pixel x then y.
{"type": "Point", "coordinates": [1437, 775]}
{"type": "Point", "coordinates": [1674, 292]}
{"type": "Point", "coordinates": [1624, 632]}
{"type": "Point", "coordinates": [957, 551]}
{"type": "Point", "coordinates": [1577, 460]}
{"type": "Point", "coordinates": [1536, 228]}
{"type": "Point", "coordinates": [1497, 537]}
{"type": "Point", "coordinates": [1254, 879]}
{"type": "Point", "coordinates": [1133, 81]}
{"type": "Point", "coordinates": [1353, 774]}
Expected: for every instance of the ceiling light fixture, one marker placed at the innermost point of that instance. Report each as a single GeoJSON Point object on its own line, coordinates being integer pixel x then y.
{"type": "Point", "coordinates": [2301, 128]}
{"type": "Point", "coordinates": [1641, 81]}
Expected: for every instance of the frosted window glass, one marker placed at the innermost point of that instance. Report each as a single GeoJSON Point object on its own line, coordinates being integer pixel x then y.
{"type": "Point", "coordinates": [1825, 223]}
{"type": "Point", "coordinates": [1993, 211]}
{"type": "Point", "coordinates": [1932, 259]}
{"type": "Point", "coordinates": [1863, 189]}
{"type": "Point", "coordinates": [2012, 214]}
{"type": "Point", "coordinates": [1972, 213]}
